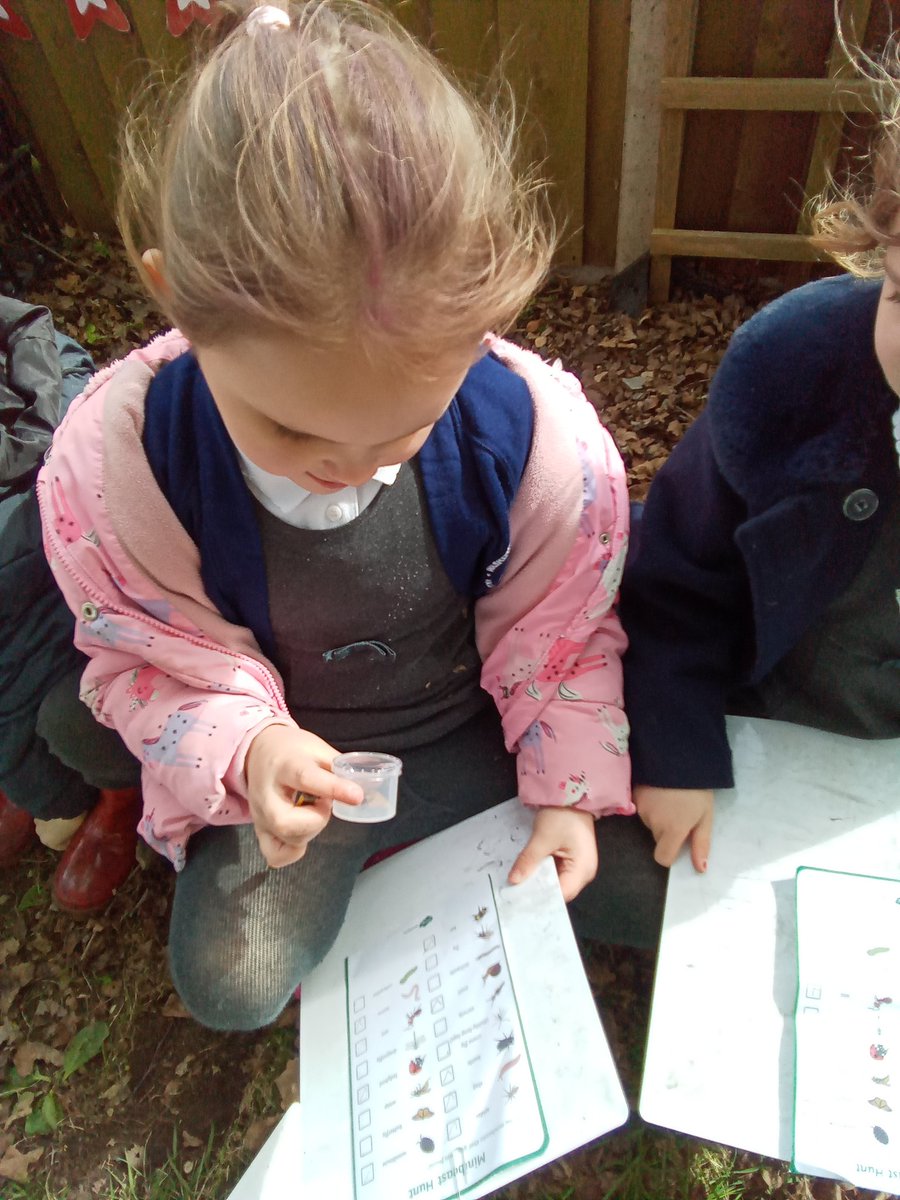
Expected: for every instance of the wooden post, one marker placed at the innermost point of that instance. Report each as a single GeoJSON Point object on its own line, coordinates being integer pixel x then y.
{"type": "Point", "coordinates": [681, 27]}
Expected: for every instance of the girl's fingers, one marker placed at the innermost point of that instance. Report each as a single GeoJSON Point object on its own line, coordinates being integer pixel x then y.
{"type": "Point", "coordinates": [276, 852]}
{"type": "Point", "coordinates": [668, 846]}
{"type": "Point", "coordinates": [295, 825]}
{"type": "Point", "coordinates": [318, 783]}
{"type": "Point", "coordinates": [701, 839]}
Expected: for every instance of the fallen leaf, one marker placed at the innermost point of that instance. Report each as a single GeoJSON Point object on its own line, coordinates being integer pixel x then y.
{"type": "Point", "coordinates": [257, 1132]}
{"type": "Point", "coordinates": [173, 1007]}
{"type": "Point", "coordinates": [190, 1141]}
{"type": "Point", "coordinates": [288, 1083]}
{"type": "Point", "coordinates": [14, 1165]}
{"type": "Point", "coordinates": [133, 1157]}
{"type": "Point", "coordinates": [29, 1053]}
{"type": "Point", "coordinates": [182, 1067]}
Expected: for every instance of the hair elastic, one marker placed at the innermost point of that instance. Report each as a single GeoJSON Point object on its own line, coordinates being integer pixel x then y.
{"type": "Point", "coordinates": [267, 15]}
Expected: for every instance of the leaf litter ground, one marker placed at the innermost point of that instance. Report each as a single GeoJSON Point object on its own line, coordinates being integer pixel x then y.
{"type": "Point", "coordinates": [104, 1074]}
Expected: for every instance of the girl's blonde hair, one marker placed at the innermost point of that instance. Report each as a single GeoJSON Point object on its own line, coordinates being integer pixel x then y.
{"type": "Point", "coordinates": [856, 227]}
{"type": "Point", "coordinates": [331, 178]}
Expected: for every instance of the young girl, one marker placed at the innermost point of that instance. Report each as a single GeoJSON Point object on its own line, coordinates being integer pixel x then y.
{"type": "Point", "coordinates": [329, 509]}
{"type": "Point", "coordinates": [765, 576]}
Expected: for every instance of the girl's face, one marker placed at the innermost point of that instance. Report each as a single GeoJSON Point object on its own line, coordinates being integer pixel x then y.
{"type": "Point", "coordinates": [887, 319]}
{"type": "Point", "coordinates": [326, 419]}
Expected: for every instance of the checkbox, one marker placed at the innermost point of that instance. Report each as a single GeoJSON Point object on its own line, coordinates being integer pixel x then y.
{"type": "Point", "coordinates": [447, 1076]}
{"type": "Point", "coordinates": [367, 1174]}
{"type": "Point", "coordinates": [360, 1025]}
{"type": "Point", "coordinates": [361, 1046]}
{"type": "Point", "coordinates": [365, 1118]}
{"type": "Point", "coordinates": [434, 982]}
{"type": "Point", "coordinates": [362, 1070]}
{"type": "Point", "coordinates": [437, 1004]}
{"type": "Point", "coordinates": [454, 1128]}
{"type": "Point", "coordinates": [440, 1027]}
{"type": "Point", "coordinates": [429, 943]}
{"type": "Point", "coordinates": [359, 1004]}
{"type": "Point", "coordinates": [443, 1051]}
{"type": "Point", "coordinates": [451, 1102]}
{"type": "Point", "coordinates": [431, 962]}
{"type": "Point", "coordinates": [362, 1094]}
{"type": "Point", "coordinates": [365, 1146]}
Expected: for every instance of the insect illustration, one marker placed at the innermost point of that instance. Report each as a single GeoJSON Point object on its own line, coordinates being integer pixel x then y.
{"type": "Point", "coordinates": [501, 1017]}
{"type": "Point", "coordinates": [879, 1000]}
{"type": "Point", "coordinates": [877, 1051]}
{"type": "Point", "coordinates": [880, 1135]}
{"type": "Point", "coordinates": [504, 1043]}
{"type": "Point", "coordinates": [422, 1088]}
{"type": "Point", "coordinates": [485, 953]}
{"type": "Point", "coordinates": [511, 1091]}
{"type": "Point", "coordinates": [492, 971]}
{"type": "Point", "coordinates": [877, 1102]}
{"type": "Point", "coordinates": [413, 991]}
{"type": "Point", "coordinates": [497, 992]}
{"type": "Point", "coordinates": [509, 1065]}
{"type": "Point", "coordinates": [480, 914]}
{"type": "Point", "coordinates": [877, 950]}
{"type": "Point", "coordinates": [415, 1065]}
{"type": "Point", "coordinates": [485, 933]}
{"type": "Point", "coordinates": [426, 1145]}
{"type": "Point", "coordinates": [410, 1017]}
{"type": "Point", "coordinates": [408, 975]}
{"type": "Point", "coordinates": [882, 1080]}
{"type": "Point", "coordinates": [422, 1114]}
{"type": "Point", "coordinates": [425, 921]}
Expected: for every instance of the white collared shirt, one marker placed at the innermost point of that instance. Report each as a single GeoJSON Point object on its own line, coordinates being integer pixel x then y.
{"type": "Point", "coordinates": [296, 506]}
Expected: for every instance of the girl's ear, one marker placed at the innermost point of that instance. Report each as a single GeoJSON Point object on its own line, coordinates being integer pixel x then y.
{"type": "Point", "coordinates": [152, 261]}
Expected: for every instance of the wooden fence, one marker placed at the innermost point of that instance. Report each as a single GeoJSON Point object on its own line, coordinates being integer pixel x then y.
{"type": "Point", "coordinates": [736, 171]}
{"type": "Point", "coordinates": [566, 63]}
{"type": "Point", "coordinates": [759, 110]}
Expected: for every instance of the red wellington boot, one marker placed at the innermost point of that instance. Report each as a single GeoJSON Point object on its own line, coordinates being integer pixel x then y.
{"type": "Point", "coordinates": [16, 832]}
{"type": "Point", "coordinates": [100, 856]}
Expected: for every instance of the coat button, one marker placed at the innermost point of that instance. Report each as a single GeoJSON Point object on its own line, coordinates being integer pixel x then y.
{"type": "Point", "coordinates": [89, 612]}
{"type": "Point", "coordinates": [334, 512]}
{"type": "Point", "coordinates": [860, 505]}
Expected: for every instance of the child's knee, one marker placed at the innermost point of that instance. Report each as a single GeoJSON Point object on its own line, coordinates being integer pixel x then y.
{"type": "Point", "coordinates": [227, 986]}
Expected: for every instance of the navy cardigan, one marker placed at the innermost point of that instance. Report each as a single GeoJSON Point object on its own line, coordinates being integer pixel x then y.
{"type": "Point", "coordinates": [761, 517]}
{"type": "Point", "coordinates": [472, 464]}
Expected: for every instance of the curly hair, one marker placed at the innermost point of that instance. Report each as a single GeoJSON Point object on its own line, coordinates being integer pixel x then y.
{"type": "Point", "coordinates": [855, 226]}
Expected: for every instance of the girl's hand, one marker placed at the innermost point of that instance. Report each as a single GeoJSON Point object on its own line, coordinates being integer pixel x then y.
{"type": "Point", "coordinates": [283, 761]}
{"type": "Point", "coordinates": [567, 834]}
{"type": "Point", "coordinates": [674, 815]}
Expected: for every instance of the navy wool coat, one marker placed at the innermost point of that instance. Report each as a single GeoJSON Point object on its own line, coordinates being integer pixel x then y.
{"type": "Point", "coordinates": [762, 516]}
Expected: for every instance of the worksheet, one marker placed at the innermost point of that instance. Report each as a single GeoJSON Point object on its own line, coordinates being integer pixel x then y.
{"type": "Point", "coordinates": [442, 1089]}
{"type": "Point", "coordinates": [726, 976]}
{"type": "Point", "coordinates": [847, 1092]}
{"type": "Point", "coordinates": [449, 1041]}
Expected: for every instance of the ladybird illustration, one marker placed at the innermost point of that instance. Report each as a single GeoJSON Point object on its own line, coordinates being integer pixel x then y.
{"type": "Point", "coordinates": [426, 1145]}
